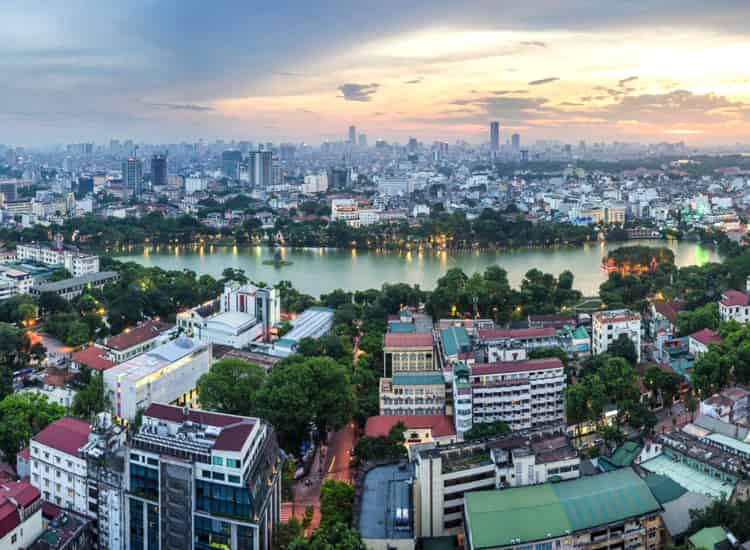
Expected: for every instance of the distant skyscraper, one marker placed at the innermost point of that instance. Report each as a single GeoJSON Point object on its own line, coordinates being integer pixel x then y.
{"type": "Point", "coordinates": [261, 168]}
{"type": "Point", "coordinates": [353, 135]}
{"type": "Point", "coordinates": [363, 141]}
{"type": "Point", "coordinates": [132, 174]}
{"type": "Point", "coordinates": [9, 190]}
{"type": "Point", "coordinates": [85, 186]}
{"type": "Point", "coordinates": [230, 164]}
{"type": "Point", "coordinates": [158, 170]}
{"type": "Point", "coordinates": [494, 136]}
{"type": "Point", "coordinates": [524, 155]}
{"type": "Point", "coordinates": [412, 146]}
{"type": "Point", "coordinates": [515, 142]}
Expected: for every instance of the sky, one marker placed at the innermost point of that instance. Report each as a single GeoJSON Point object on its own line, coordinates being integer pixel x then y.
{"type": "Point", "coordinates": [177, 70]}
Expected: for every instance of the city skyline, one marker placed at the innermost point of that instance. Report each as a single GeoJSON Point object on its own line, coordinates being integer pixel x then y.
{"type": "Point", "coordinates": [174, 71]}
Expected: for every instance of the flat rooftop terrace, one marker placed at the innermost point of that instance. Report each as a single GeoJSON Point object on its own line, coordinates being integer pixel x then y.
{"type": "Point", "coordinates": [386, 489]}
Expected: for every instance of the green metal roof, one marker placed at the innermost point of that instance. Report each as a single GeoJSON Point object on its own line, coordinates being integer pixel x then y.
{"type": "Point", "coordinates": [626, 453]}
{"type": "Point", "coordinates": [526, 514]}
{"type": "Point", "coordinates": [401, 327]}
{"type": "Point", "coordinates": [580, 333]}
{"type": "Point", "coordinates": [664, 488]}
{"type": "Point", "coordinates": [730, 442]}
{"type": "Point", "coordinates": [455, 339]}
{"type": "Point", "coordinates": [418, 379]}
{"type": "Point", "coordinates": [708, 537]}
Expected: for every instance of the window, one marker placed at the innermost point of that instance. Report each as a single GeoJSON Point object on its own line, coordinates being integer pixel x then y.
{"type": "Point", "coordinates": [233, 463]}
{"type": "Point", "coordinates": [217, 461]}
{"type": "Point", "coordinates": [206, 474]}
{"type": "Point", "coordinates": [218, 475]}
{"type": "Point", "coordinates": [233, 479]}
{"type": "Point", "coordinates": [153, 461]}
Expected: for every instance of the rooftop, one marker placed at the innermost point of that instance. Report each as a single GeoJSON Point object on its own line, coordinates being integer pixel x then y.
{"type": "Point", "coordinates": [541, 512]}
{"type": "Point", "coordinates": [687, 477]}
{"type": "Point", "coordinates": [89, 278]}
{"type": "Point", "coordinates": [386, 511]}
{"type": "Point", "coordinates": [144, 364]}
{"type": "Point", "coordinates": [14, 495]}
{"type": "Point", "coordinates": [94, 358]}
{"type": "Point", "coordinates": [418, 379]}
{"type": "Point", "coordinates": [408, 340]}
{"type": "Point", "coordinates": [516, 366]}
{"type": "Point", "coordinates": [708, 537]}
{"type": "Point", "coordinates": [517, 333]}
{"type": "Point", "coordinates": [615, 316]}
{"type": "Point", "coordinates": [440, 424]}
{"type": "Point", "coordinates": [706, 336]}
{"type": "Point", "coordinates": [144, 332]}
{"type": "Point", "coordinates": [734, 298]}
{"type": "Point", "coordinates": [67, 434]}
{"type": "Point", "coordinates": [455, 340]}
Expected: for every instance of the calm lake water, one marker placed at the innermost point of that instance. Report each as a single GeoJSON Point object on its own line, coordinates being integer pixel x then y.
{"type": "Point", "coordinates": [316, 270]}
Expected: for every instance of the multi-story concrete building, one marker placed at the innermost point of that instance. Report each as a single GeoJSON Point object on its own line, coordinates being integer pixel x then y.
{"type": "Point", "coordinates": [412, 393]}
{"type": "Point", "coordinates": [524, 394]}
{"type": "Point", "coordinates": [608, 325]}
{"type": "Point", "coordinates": [166, 374]}
{"type": "Point", "coordinates": [139, 339]}
{"type": "Point", "coordinates": [613, 510]}
{"type": "Point", "coordinates": [408, 352]}
{"type": "Point", "coordinates": [57, 468]}
{"type": "Point", "coordinates": [74, 261]}
{"type": "Point", "coordinates": [444, 474]}
{"type": "Point", "coordinates": [70, 288]}
{"type": "Point", "coordinates": [346, 210]}
{"type": "Point", "coordinates": [503, 344]}
{"type": "Point", "coordinates": [202, 480]}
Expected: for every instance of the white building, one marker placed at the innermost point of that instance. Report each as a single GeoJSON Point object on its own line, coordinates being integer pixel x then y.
{"type": "Point", "coordinates": [57, 468]}
{"type": "Point", "coordinates": [346, 210]}
{"type": "Point", "coordinates": [166, 374]}
{"type": "Point", "coordinates": [195, 184]}
{"type": "Point", "coordinates": [735, 306]}
{"type": "Point", "coordinates": [315, 183]}
{"type": "Point", "coordinates": [20, 515]}
{"type": "Point", "coordinates": [76, 262]}
{"type": "Point", "coordinates": [21, 280]}
{"type": "Point", "coordinates": [607, 326]}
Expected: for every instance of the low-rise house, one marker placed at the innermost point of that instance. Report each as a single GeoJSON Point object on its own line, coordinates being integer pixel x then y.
{"type": "Point", "coordinates": [699, 341]}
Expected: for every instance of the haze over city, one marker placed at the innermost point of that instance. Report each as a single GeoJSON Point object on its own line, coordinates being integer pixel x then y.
{"type": "Point", "coordinates": [160, 71]}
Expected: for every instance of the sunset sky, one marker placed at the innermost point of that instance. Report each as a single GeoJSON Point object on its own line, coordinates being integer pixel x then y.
{"type": "Point", "coordinates": [173, 70]}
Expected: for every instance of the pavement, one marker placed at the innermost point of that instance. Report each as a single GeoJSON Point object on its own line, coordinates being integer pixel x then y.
{"type": "Point", "coordinates": [664, 422]}
{"type": "Point", "coordinates": [340, 445]}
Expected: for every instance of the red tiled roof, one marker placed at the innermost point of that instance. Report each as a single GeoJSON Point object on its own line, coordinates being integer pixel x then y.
{"type": "Point", "coordinates": [489, 334]}
{"type": "Point", "coordinates": [67, 434]}
{"type": "Point", "coordinates": [408, 340]}
{"type": "Point", "coordinates": [14, 495]}
{"type": "Point", "coordinates": [670, 310]}
{"type": "Point", "coordinates": [175, 414]}
{"type": "Point", "coordinates": [137, 335]}
{"type": "Point", "coordinates": [517, 366]}
{"type": "Point", "coordinates": [706, 336]}
{"type": "Point", "coordinates": [734, 298]}
{"type": "Point", "coordinates": [94, 358]}
{"type": "Point", "coordinates": [233, 438]}
{"type": "Point", "coordinates": [57, 377]}
{"type": "Point", "coordinates": [440, 424]}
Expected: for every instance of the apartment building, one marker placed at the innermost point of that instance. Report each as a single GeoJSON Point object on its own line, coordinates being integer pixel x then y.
{"type": "Point", "coordinates": [408, 352]}
{"type": "Point", "coordinates": [507, 344]}
{"type": "Point", "coordinates": [412, 393]}
{"type": "Point", "coordinates": [445, 474]}
{"type": "Point", "coordinates": [70, 288]}
{"type": "Point", "coordinates": [608, 325]}
{"type": "Point", "coordinates": [57, 255]}
{"type": "Point", "coordinates": [346, 210]}
{"type": "Point", "coordinates": [523, 394]}
{"type": "Point", "coordinates": [57, 468]}
{"type": "Point", "coordinates": [202, 480]}
{"type": "Point", "coordinates": [612, 510]}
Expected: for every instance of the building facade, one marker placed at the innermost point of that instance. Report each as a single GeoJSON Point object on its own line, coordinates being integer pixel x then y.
{"type": "Point", "coordinates": [607, 326]}
{"type": "Point", "coordinates": [412, 393]}
{"type": "Point", "coordinates": [202, 480]}
{"type": "Point", "coordinates": [408, 352]}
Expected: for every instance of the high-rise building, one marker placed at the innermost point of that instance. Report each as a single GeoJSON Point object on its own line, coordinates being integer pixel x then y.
{"type": "Point", "coordinates": [230, 164]}
{"type": "Point", "coordinates": [413, 145]}
{"type": "Point", "coordinates": [261, 169]}
{"type": "Point", "coordinates": [515, 142]}
{"type": "Point", "coordinates": [202, 480]}
{"type": "Point", "coordinates": [159, 171]}
{"type": "Point", "coordinates": [353, 135]}
{"type": "Point", "coordinates": [132, 174]}
{"type": "Point", "coordinates": [85, 186]}
{"type": "Point", "coordinates": [363, 141]}
{"type": "Point", "coordinates": [8, 189]}
{"type": "Point", "coordinates": [494, 136]}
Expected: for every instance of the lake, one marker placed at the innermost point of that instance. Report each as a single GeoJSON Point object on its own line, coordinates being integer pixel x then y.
{"type": "Point", "coordinates": [319, 270]}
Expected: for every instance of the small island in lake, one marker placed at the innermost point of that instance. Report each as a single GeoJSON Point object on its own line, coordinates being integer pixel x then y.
{"type": "Point", "coordinates": [636, 259]}
{"type": "Point", "coordinates": [277, 261]}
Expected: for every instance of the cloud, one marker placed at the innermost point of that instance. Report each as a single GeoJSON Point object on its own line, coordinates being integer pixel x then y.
{"type": "Point", "coordinates": [508, 92]}
{"type": "Point", "coordinates": [543, 81]}
{"type": "Point", "coordinates": [536, 43]}
{"type": "Point", "coordinates": [625, 81]}
{"type": "Point", "coordinates": [358, 92]}
{"type": "Point", "coordinates": [417, 80]}
{"type": "Point", "coordinates": [182, 107]}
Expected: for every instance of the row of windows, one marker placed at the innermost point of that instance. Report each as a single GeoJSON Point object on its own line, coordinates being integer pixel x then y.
{"type": "Point", "coordinates": [230, 462]}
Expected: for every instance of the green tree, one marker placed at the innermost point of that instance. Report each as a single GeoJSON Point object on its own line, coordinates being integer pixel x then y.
{"type": "Point", "coordinates": [482, 430]}
{"type": "Point", "coordinates": [623, 347]}
{"type": "Point", "coordinates": [22, 415]}
{"type": "Point", "coordinates": [706, 316]}
{"type": "Point", "coordinates": [90, 400]}
{"type": "Point", "coordinates": [336, 536]}
{"type": "Point", "coordinates": [336, 501]}
{"type": "Point", "coordinates": [232, 387]}
{"type": "Point", "coordinates": [286, 533]}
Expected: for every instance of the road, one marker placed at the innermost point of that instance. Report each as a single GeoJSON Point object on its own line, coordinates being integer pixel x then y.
{"type": "Point", "coordinates": [337, 462]}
